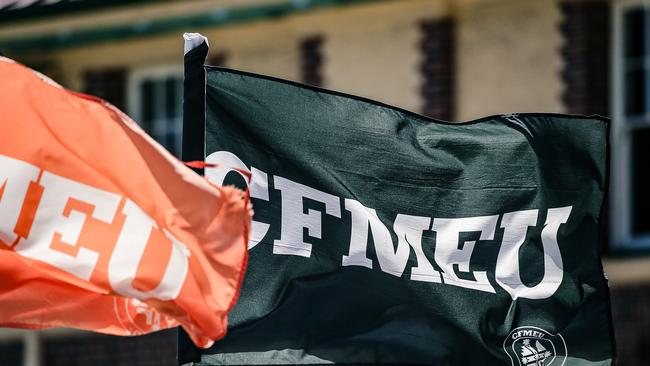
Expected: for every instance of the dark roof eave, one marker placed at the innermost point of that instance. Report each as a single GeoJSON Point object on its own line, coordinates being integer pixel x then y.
{"type": "Point", "coordinates": [219, 17]}
{"type": "Point", "coordinates": [38, 10]}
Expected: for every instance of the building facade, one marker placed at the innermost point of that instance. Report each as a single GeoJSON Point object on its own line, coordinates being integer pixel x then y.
{"type": "Point", "coordinates": [455, 60]}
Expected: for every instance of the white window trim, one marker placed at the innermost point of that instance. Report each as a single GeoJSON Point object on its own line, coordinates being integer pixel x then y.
{"type": "Point", "coordinates": [138, 75]}
{"type": "Point", "coordinates": [135, 79]}
{"type": "Point", "coordinates": [621, 236]}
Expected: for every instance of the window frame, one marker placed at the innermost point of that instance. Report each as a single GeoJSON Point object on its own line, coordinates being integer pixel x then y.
{"type": "Point", "coordinates": [134, 101]}
{"type": "Point", "coordinates": [622, 237]}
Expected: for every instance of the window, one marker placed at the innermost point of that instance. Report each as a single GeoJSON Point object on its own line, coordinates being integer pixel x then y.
{"type": "Point", "coordinates": [11, 352]}
{"type": "Point", "coordinates": [311, 60]}
{"type": "Point", "coordinates": [630, 198]}
{"type": "Point", "coordinates": [155, 97]}
{"type": "Point", "coordinates": [438, 68]}
{"type": "Point", "coordinates": [108, 84]}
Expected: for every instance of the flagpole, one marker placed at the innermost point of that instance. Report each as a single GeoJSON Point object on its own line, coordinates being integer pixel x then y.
{"type": "Point", "coordinates": [193, 142]}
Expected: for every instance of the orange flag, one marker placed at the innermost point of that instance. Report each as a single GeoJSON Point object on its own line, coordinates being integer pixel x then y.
{"type": "Point", "coordinates": [101, 228]}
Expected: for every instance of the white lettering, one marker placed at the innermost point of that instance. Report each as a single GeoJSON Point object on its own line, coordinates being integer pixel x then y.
{"type": "Point", "coordinates": [128, 252]}
{"type": "Point", "coordinates": [447, 252]}
{"type": "Point", "coordinates": [508, 271]}
{"type": "Point", "coordinates": [15, 176]}
{"type": "Point", "coordinates": [362, 217]}
{"type": "Point", "coordinates": [259, 187]}
{"type": "Point", "coordinates": [294, 220]}
{"type": "Point", "coordinates": [391, 260]}
{"type": "Point", "coordinates": [51, 220]}
{"type": "Point", "coordinates": [409, 231]}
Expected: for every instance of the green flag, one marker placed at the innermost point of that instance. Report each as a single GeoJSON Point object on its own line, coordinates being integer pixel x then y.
{"type": "Point", "coordinates": [382, 236]}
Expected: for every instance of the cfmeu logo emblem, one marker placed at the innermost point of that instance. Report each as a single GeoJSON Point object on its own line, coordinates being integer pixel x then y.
{"type": "Point", "coordinates": [532, 346]}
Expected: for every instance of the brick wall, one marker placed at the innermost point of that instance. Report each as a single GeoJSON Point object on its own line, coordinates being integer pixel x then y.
{"type": "Point", "coordinates": [507, 58]}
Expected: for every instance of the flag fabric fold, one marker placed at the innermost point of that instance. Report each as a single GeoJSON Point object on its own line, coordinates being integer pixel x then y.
{"type": "Point", "coordinates": [384, 237]}
{"type": "Point", "coordinates": [102, 228]}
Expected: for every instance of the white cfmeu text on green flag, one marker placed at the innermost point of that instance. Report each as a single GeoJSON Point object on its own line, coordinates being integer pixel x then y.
{"type": "Point", "coordinates": [449, 252]}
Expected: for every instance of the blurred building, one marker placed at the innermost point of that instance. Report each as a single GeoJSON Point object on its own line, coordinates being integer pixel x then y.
{"type": "Point", "coordinates": [450, 59]}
